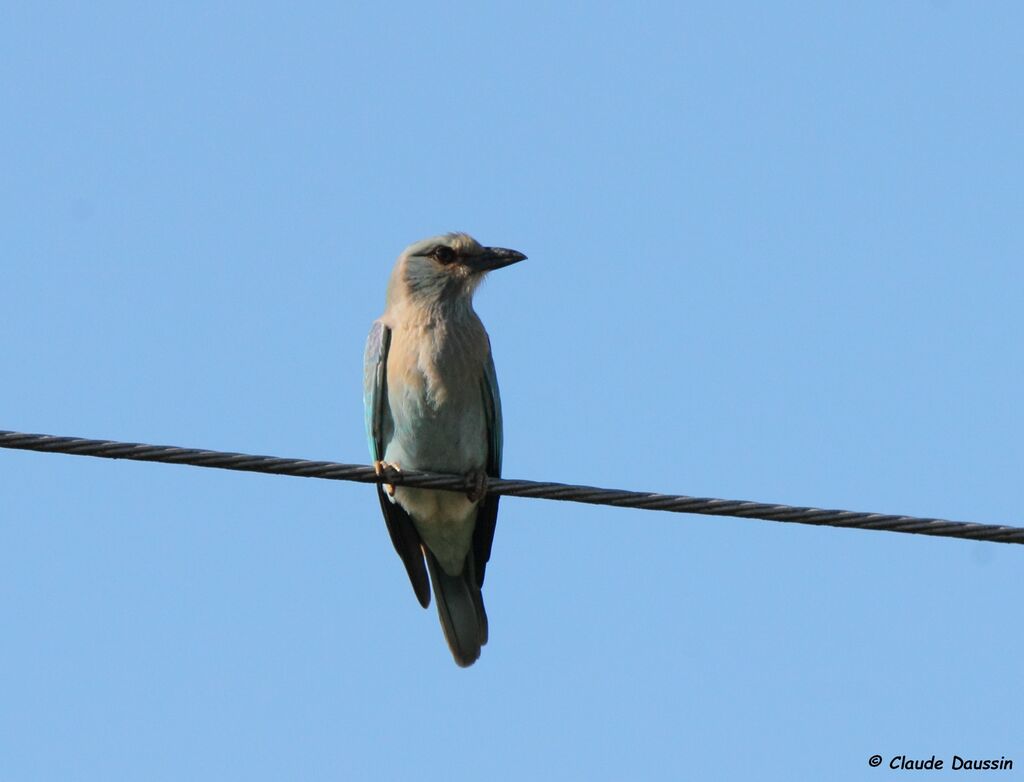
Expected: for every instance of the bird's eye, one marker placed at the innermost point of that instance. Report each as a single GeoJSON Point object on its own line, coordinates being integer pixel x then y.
{"type": "Point", "coordinates": [443, 254]}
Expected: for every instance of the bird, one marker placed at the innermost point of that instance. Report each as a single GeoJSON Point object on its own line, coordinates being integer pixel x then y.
{"type": "Point", "coordinates": [431, 402]}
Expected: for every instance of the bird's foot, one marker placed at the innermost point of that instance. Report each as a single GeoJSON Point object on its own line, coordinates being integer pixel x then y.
{"type": "Point", "coordinates": [476, 485]}
{"type": "Point", "coordinates": [387, 470]}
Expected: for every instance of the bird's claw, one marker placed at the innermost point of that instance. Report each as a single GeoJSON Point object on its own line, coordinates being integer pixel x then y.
{"type": "Point", "coordinates": [476, 485]}
{"type": "Point", "coordinates": [387, 470]}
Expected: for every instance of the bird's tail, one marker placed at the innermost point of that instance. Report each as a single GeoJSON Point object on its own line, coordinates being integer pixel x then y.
{"type": "Point", "coordinates": [460, 607]}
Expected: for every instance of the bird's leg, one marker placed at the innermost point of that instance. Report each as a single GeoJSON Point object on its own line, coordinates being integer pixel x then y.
{"type": "Point", "coordinates": [476, 485]}
{"type": "Point", "coordinates": [387, 470]}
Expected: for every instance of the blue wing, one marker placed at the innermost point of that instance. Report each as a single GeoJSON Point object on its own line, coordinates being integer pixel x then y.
{"type": "Point", "coordinates": [404, 536]}
{"type": "Point", "coordinates": [374, 364]}
{"type": "Point", "coordinates": [487, 516]}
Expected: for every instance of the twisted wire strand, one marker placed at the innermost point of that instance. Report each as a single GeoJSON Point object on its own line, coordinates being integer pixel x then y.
{"type": "Point", "coordinates": [592, 495]}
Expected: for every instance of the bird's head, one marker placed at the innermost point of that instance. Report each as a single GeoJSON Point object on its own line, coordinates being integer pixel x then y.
{"type": "Point", "coordinates": [447, 268]}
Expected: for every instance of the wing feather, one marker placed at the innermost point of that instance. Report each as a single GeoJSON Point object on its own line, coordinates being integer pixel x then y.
{"type": "Point", "coordinates": [487, 516]}
{"type": "Point", "coordinates": [404, 536]}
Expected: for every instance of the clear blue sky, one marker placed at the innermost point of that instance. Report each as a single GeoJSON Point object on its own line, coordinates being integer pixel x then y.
{"type": "Point", "coordinates": [775, 254]}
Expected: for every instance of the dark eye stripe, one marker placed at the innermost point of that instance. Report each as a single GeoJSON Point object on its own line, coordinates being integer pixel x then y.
{"type": "Point", "coordinates": [443, 254]}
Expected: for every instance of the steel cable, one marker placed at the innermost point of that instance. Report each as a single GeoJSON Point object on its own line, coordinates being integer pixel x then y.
{"type": "Point", "coordinates": [675, 503]}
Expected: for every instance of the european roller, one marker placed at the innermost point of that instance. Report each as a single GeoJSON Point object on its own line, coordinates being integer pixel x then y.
{"type": "Point", "coordinates": [431, 403]}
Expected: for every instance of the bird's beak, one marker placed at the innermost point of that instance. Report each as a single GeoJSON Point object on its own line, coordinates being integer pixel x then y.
{"type": "Point", "coordinates": [493, 258]}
